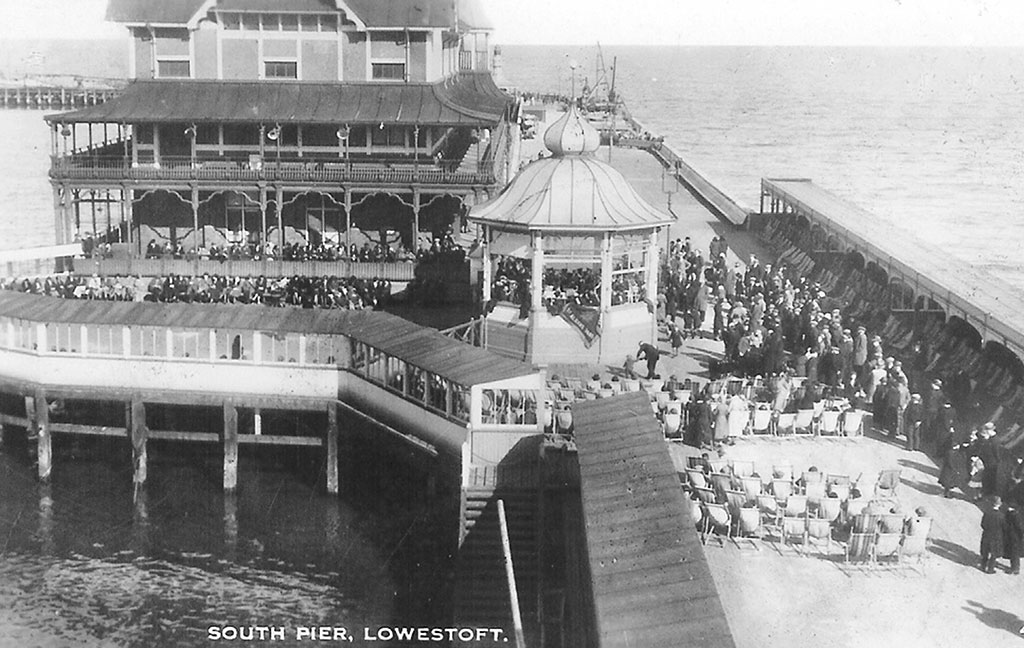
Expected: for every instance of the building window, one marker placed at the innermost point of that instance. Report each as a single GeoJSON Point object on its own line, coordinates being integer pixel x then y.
{"type": "Point", "coordinates": [389, 71]}
{"type": "Point", "coordinates": [171, 69]}
{"type": "Point", "coordinates": [281, 70]}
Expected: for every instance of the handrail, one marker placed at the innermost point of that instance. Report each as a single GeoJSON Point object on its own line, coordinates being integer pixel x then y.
{"type": "Point", "coordinates": [331, 170]}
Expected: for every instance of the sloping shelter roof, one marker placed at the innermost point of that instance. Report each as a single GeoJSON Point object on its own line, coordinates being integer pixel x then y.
{"type": "Point", "coordinates": [651, 584]}
{"type": "Point", "coordinates": [982, 298]}
{"type": "Point", "coordinates": [420, 346]}
{"type": "Point", "coordinates": [372, 13]}
{"type": "Point", "coordinates": [469, 99]}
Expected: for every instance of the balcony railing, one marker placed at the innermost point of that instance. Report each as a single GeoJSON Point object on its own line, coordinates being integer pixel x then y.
{"type": "Point", "coordinates": [392, 271]}
{"type": "Point", "coordinates": [271, 170]}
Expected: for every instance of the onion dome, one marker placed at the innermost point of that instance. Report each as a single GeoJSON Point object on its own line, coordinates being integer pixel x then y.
{"type": "Point", "coordinates": [572, 134]}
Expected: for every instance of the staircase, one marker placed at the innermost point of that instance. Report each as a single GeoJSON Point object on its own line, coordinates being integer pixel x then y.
{"type": "Point", "coordinates": [481, 592]}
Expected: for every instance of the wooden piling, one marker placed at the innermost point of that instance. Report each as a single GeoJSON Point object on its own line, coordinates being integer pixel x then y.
{"type": "Point", "coordinates": [230, 447]}
{"type": "Point", "coordinates": [44, 455]}
{"type": "Point", "coordinates": [139, 433]}
{"type": "Point", "coordinates": [332, 448]}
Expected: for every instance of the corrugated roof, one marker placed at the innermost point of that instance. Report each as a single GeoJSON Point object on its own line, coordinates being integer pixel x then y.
{"type": "Point", "coordinates": [982, 297]}
{"type": "Point", "coordinates": [652, 586]}
{"type": "Point", "coordinates": [464, 100]}
{"type": "Point", "coordinates": [420, 346]}
{"type": "Point", "coordinates": [570, 193]}
{"type": "Point", "coordinates": [373, 13]}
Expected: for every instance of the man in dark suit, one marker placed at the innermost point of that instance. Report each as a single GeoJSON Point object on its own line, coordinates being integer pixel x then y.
{"type": "Point", "coordinates": [993, 520]}
{"type": "Point", "coordinates": [650, 353]}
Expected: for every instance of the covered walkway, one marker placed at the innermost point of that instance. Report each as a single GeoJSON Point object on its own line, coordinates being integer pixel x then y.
{"type": "Point", "coordinates": [994, 308]}
{"type": "Point", "coordinates": [650, 581]}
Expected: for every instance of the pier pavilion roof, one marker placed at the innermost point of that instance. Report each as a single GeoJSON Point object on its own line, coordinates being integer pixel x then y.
{"type": "Point", "coordinates": [571, 190]}
{"type": "Point", "coordinates": [467, 99]}
{"type": "Point", "coordinates": [370, 13]}
{"type": "Point", "coordinates": [420, 346]}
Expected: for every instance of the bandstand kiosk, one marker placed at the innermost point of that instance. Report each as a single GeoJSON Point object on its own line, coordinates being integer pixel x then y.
{"type": "Point", "coordinates": [575, 223]}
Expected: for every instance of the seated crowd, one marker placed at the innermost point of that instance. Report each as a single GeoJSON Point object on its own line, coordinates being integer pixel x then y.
{"type": "Point", "coordinates": [580, 286]}
{"type": "Point", "coordinates": [305, 292]}
{"type": "Point", "coordinates": [253, 251]}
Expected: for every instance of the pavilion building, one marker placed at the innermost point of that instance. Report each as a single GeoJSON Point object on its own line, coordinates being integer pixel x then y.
{"type": "Point", "coordinates": [274, 122]}
{"type": "Point", "coordinates": [569, 256]}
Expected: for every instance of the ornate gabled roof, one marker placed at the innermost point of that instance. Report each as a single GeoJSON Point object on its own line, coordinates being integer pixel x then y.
{"type": "Point", "coordinates": [571, 190]}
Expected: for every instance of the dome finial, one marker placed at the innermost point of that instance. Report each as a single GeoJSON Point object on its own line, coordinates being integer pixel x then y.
{"type": "Point", "coordinates": [572, 134]}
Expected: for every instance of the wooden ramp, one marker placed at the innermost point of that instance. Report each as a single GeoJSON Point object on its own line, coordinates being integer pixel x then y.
{"type": "Point", "coordinates": [650, 581]}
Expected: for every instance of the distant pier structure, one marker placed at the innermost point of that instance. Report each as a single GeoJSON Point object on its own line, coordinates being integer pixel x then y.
{"type": "Point", "coordinates": [57, 92]}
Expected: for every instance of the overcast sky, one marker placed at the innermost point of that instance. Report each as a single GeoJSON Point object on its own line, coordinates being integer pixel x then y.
{"type": "Point", "coordinates": [655, 22]}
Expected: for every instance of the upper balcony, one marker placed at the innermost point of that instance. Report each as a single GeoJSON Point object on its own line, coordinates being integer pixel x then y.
{"type": "Point", "coordinates": [323, 133]}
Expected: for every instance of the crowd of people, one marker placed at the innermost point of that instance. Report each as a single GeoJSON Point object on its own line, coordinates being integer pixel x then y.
{"type": "Point", "coordinates": [254, 251]}
{"type": "Point", "coordinates": [579, 285]}
{"type": "Point", "coordinates": [298, 291]}
{"type": "Point", "coordinates": [778, 324]}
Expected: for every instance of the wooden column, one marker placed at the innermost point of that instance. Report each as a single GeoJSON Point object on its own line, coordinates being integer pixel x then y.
{"type": "Point", "coordinates": [348, 222]}
{"type": "Point", "coordinates": [537, 273]}
{"type": "Point", "coordinates": [41, 420]}
{"type": "Point", "coordinates": [332, 448]}
{"type": "Point", "coordinates": [415, 220]}
{"type": "Point", "coordinates": [195, 214]}
{"type": "Point", "coordinates": [230, 447]}
{"type": "Point", "coordinates": [279, 196]}
{"type": "Point", "coordinates": [230, 524]}
{"type": "Point", "coordinates": [136, 423]}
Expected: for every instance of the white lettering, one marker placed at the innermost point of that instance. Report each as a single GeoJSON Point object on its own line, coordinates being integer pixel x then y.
{"type": "Point", "coordinates": [213, 633]}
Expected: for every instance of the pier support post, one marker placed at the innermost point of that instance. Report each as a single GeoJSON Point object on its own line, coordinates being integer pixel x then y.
{"type": "Point", "coordinates": [332, 448]}
{"type": "Point", "coordinates": [230, 525]}
{"type": "Point", "coordinates": [230, 447]}
{"type": "Point", "coordinates": [139, 435]}
{"type": "Point", "coordinates": [41, 416]}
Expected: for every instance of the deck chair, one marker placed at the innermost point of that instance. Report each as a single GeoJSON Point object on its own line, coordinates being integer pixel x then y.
{"type": "Point", "coordinates": [735, 500]}
{"type": "Point", "coordinates": [887, 545]}
{"type": "Point", "coordinates": [829, 509]}
{"type": "Point", "coordinates": [696, 478]}
{"type": "Point", "coordinates": [859, 547]}
{"type": "Point", "coordinates": [793, 527]}
{"type": "Point", "coordinates": [673, 419]}
{"type": "Point", "coordinates": [752, 487]}
{"type": "Point", "coordinates": [717, 520]}
{"type": "Point", "coordinates": [809, 477]}
{"type": "Point", "coordinates": [748, 526]}
{"type": "Point", "coordinates": [782, 471]}
{"type": "Point", "coordinates": [721, 482]}
{"type": "Point", "coordinates": [706, 495]}
{"type": "Point", "coordinates": [761, 421]}
{"type": "Point", "coordinates": [865, 523]}
{"type": "Point", "coordinates": [630, 385]}
{"type": "Point", "coordinates": [853, 422]}
{"type": "Point", "coordinates": [693, 461]}
{"type": "Point", "coordinates": [828, 424]}
{"type": "Point", "coordinates": [696, 512]}
{"type": "Point", "coordinates": [768, 508]}
{"type": "Point", "coordinates": [782, 489]}
{"type": "Point", "coordinates": [784, 426]}
{"type": "Point", "coordinates": [888, 482]}
{"type": "Point", "coordinates": [804, 422]}
{"type": "Point", "coordinates": [855, 507]}
{"type": "Point", "coordinates": [916, 546]}
{"type": "Point", "coordinates": [818, 530]}
{"type": "Point", "coordinates": [815, 493]}
{"type": "Point", "coordinates": [841, 491]}
{"type": "Point", "coordinates": [718, 465]}
{"type": "Point", "coordinates": [795, 506]}
{"type": "Point", "coordinates": [742, 468]}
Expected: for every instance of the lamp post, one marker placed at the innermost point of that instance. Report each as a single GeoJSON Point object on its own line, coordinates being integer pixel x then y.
{"type": "Point", "coordinates": [343, 134]}
{"type": "Point", "coordinates": [671, 187]}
